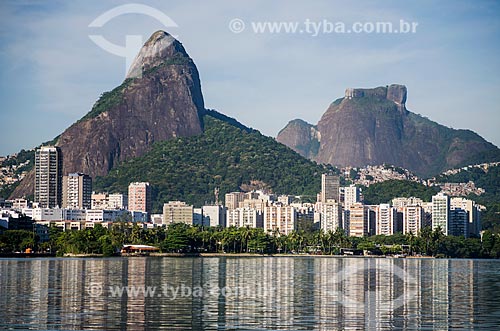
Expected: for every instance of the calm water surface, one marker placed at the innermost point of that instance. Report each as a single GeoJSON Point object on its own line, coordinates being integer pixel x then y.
{"type": "Point", "coordinates": [296, 293]}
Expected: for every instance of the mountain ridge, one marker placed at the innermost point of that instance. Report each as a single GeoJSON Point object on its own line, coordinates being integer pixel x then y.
{"type": "Point", "coordinates": [373, 127]}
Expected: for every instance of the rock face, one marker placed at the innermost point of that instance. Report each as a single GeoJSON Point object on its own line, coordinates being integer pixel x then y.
{"type": "Point", "coordinates": [301, 136]}
{"type": "Point", "coordinates": [160, 99]}
{"type": "Point", "coordinates": [373, 126]}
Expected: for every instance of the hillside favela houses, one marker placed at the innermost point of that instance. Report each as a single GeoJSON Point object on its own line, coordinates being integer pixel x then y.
{"type": "Point", "coordinates": [67, 201]}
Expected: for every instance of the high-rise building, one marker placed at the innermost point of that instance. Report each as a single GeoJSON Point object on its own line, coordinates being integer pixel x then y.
{"type": "Point", "coordinates": [214, 215]}
{"type": "Point", "coordinates": [357, 218]}
{"type": "Point", "coordinates": [280, 218]}
{"type": "Point", "coordinates": [331, 216]}
{"type": "Point", "coordinates": [177, 212]}
{"type": "Point", "coordinates": [351, 194]}
{"type": "Point", "coordinates": [413, 219]}
{"type": "Point", "coordinates": [245, 217]}
{"type": "Point", "coordinates": [458, 223]}
{"type": "Point", "coordinates": [233, 199]}
{"type": "Point", "coordinates": [77, 191]}
{"type": "Point", "coordinates": [139, 197]}
{"type": "Point", "coordinates": [474, 214]}
{"type": "Point", "coordinates": [440, 212]}
{"type": "Point", "coordinates": [48, 177]}
{"type": "Point", "coordinates": [386, 219]}
{"type": "Point", "coordinates": [330, 185]}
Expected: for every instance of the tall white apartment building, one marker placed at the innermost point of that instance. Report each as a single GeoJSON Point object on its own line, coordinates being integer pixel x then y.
{"type": "Point", "coordinates": [441, 212]}
{"type": "Point", "coordinates": [351, 195]}
{"type": "Point", "coordinates": [331, 216]}
{"type": "Point", "coordinates": [48, 177]}
{"type": "Point", "coordinates": [282, 218]}
{"type": "Point", "coordinates": [386, 219]}
{"type": "Point", "coordinates": [245, 217]}
{"type": "Point", "coordinates": [413, 219]}
{"type": "Point", "coordinates": [77, 191]}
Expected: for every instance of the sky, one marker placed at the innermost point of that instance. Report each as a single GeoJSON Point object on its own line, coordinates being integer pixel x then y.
{"type": "Point", "coordinates": [51, 72]}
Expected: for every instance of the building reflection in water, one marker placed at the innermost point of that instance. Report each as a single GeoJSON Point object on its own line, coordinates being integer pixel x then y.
{"type": "Point", "coordinates": [260, 293]}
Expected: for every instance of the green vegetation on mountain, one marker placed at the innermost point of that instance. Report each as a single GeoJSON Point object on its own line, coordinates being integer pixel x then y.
{"type": "Point", "coordinates": [107, 100]}
{"type": "Point", "coordinates": [226, 155]}
{"type": "Point", "coordinates": [384, 192]}
{"type": "Point", "coordinates": [489, 180]}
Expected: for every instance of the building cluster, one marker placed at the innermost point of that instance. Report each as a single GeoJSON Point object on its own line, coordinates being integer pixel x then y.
{"type": "Point", "coordinates": [461, 189]}
{"type": "Point", "coordinates": [68, 202]}
{"type": "Point", "coordinates": [10, 174]}
{"type": "Point", "coordinates": [372, 174]}
{"type": "Point", "coordinates": [483, 166]}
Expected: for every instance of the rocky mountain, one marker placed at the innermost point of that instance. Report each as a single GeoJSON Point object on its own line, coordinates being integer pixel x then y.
{"type": "Point", "coordinates": [373, 126]}
{"type": "Point", "coordinates": [160, 99]}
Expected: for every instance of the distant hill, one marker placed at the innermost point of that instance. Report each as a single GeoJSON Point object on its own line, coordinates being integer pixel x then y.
{"type": "Point", "coordinates": [226, 155]}
{"type": "Point", "coordinates": [373, 127]}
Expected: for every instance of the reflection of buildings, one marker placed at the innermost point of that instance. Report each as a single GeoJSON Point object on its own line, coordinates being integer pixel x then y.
{"type": "Point", "coordinates": [262, 293]}
{"type": "Point", "coordinates": [273, 293]}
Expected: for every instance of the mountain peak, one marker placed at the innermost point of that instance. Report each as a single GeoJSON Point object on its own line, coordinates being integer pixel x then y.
{"type": "Point", "coordinates": [395, 92]}
{"type": "Point", "coordinates": [160, 48]}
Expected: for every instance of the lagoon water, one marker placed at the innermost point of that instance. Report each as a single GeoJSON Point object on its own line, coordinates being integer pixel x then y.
{"type": "Point", "coordinates": [261, 293]}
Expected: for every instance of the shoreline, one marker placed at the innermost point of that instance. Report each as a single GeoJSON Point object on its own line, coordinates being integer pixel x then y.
{"type": "Point", "coordinates": [206, 255]}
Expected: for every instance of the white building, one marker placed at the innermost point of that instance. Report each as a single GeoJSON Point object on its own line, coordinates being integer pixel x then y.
{"type": "Point", "coordinates": [214, 215]}
{"type": "Point", "coordinates": [413, 219]}
{"type": "Point", "coordinates": [48, 177]}
{"type": "Point", "coordinates": [280, 218]}
{"type": "Point", "coordinates": [77, 191]}
{"type": "Point", "coordinates": [440, 212]}
{"type": "Point", "coordinates": [402, 202]}
{"type": "Point", "coordinates": [100, 216]}
{"type": "Point", "coordinates": [117, 201]}
{"type": "Point", "coordinates": [386, 219]}
{"type": "Point", "coordinates": [351, 194]}
{"type": "Point", "coordinates": [245, 217]}
{"type": "Point", "coordinates": [44, 214]}
{"type": "Point", "coordinates": [331, 216]}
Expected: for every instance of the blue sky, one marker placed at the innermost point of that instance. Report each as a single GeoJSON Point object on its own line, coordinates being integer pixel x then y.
{"type": "Point", "coordinates": [51, 72]}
